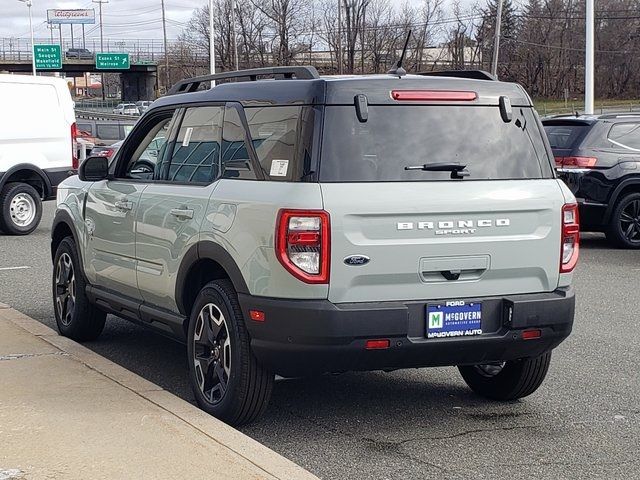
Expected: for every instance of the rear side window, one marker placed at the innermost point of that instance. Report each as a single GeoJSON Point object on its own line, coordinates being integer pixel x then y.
{"type": "Point", "coordinates": [235, 160]}
{"type": "Point", "coordinates": [106, 131]}
{"type": "Point", "coordinates": [625, 135]}
{"type": "Point", "coordinates": [197, 148]}
{"type": "Point", "coordinates": [566, 135]}
{"type": "Point", "coordinates": [395, 137]}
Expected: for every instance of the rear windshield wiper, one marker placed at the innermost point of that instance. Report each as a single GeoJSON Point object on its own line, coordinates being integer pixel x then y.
{"type": "Point", "coordinates": [457, 170]}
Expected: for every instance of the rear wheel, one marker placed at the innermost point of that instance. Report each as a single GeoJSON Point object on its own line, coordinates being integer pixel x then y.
{"type": "Point", "coordinates": [508, 380]}
{"type": "Point", "coordinates": [624, 227]}
{"type": "Point", "coordinates": [76, 317]}
{"type": "Point", "coordinates": [21, 209]}
{"type": "Point", "coordinates": [226, 378]}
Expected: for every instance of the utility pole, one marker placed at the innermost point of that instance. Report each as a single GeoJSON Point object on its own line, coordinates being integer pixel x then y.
{"type": "Point", "coordinates": [496, 44]}
{"type": "Point", "coordinates": [28, 3]}
{"type": "Point", "coordinates": [166, 50]}
{"type": "Point", "coordinates": [212, 36]}
{"type": "Point", "coordinates": [589, 60]}
{"type": "Point", "coordinates": [339, 37]}
{"type": "Point", "coordinates": [100, 2]}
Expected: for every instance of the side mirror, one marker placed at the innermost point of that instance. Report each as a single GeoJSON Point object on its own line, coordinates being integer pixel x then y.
{"type": "Point", "coordinates": [94, 169]}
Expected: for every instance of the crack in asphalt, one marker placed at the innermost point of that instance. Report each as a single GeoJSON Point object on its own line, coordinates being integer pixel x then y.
{"type": "Point", "coordinates": [395, 446]}
{"type": "Point", "coordinates": [18, 356]}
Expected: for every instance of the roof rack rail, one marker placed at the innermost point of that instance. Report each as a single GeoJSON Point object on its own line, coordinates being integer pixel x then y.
{"type": "Point", "coordinates": [618, 115]}
{"type": "Point", "coordinates": [473, 74]}
{"type": "Point", "coordinates": [298, 72]}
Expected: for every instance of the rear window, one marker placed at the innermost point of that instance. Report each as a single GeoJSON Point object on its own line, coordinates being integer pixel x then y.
{"type": "Point", "coordinates": [395, 137]}
{"type": "Point", "coordinates": [566, 135]}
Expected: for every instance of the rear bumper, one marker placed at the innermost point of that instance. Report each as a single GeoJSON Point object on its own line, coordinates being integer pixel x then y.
{"type": "Point", "coordinates": [302, 337]}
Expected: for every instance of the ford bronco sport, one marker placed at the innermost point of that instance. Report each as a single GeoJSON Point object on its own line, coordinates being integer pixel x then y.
{"type": "Point", "coordinates": [301, 224]}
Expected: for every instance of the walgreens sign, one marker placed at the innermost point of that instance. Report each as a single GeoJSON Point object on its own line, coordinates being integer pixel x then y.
{"type": "Point", "coordinates": [57, 17]}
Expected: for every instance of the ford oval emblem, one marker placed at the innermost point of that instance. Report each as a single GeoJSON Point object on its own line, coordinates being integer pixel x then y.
{"type": "Point", "coordinates": [356, 260]}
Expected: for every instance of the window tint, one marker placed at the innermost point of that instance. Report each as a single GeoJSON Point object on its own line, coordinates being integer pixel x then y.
{"type": "Point", "coordinates": [196, 152]}
{"type": "Point", "coordinates": [626, 135]}
{"type": "Point", "coordinates": [565, 135]}
{"type": "Point", "coordinates": [398, 136]}
{"type": "Point", "coordinates": [108, 132]}
{"type": "Point", "coordinates": [282, 138]}
{"type": "Point", "coordinates": [236, 162]}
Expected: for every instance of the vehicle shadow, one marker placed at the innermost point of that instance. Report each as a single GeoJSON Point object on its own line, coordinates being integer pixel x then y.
{"type": "Point", "coordinates": [594, 241]}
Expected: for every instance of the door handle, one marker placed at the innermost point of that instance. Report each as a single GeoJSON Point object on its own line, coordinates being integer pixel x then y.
{"type": "Point", "coordinates": [182, 213]}
{"type": "Point", "coordinates": [124, 206]}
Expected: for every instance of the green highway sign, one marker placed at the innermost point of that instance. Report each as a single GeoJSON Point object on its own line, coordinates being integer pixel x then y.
{"type": "Point", "coordinates": [112, 61]}
{"type": "Point", "coordinates": [48, 57]}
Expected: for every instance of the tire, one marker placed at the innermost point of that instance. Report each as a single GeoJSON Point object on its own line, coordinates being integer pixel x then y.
{"type": "Point", "coordinates": [624, 226]}
{"type": "Point", "coordinates": [226, 378]}
{"type": "Point", "coordinates": [21, 209]}
{"type": "Point", "coordinates": [516, 379]}
{"type": "Point", "coordinates": [76, 317]}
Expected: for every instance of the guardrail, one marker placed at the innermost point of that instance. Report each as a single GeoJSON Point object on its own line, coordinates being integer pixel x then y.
{"type": "Point", "coordinates": [92, 115]}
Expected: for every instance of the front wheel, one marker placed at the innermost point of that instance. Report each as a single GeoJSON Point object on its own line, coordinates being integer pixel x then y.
{"type": "Point", "coordinates": [226, 378]}
{"type": "Point", "coordinates": [21, 209]}
{"type": "Point", "coordinates": [508, 380]}
{"type": "Point", "coordinates": [76, 317]}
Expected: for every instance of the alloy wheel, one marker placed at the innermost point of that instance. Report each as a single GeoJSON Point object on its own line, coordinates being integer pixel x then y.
{"type": "Point", "coordinates": [65, 289]}
{"type": "Point", "coordinates": [630, 221]}
{"type": "Point", "coordinates": [22, 210]}
{"type": "Point", "coordinates": [212, 353]}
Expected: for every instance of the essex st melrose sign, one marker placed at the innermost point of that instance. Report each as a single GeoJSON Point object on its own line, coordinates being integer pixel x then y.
{"type": "Point", "coordinates": [48, 57]}
{"type": "Point", "coordinates": [112, 61]}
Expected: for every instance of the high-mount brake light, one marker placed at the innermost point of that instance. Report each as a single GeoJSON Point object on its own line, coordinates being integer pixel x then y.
{"type": "Point", "coordinates": [433, 95]}
{"type": "Point", "coordinates": [576, 162]}
{"type": "Point", "coordinates": [303, 244]}
{"type": "Point", "coordinates": [570, 240]}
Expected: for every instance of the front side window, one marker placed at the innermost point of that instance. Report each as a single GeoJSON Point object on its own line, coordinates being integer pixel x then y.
{"type": "Point", "coordinates": [196, 153]}
{"type": "Point", "coordinates": [143, 162]}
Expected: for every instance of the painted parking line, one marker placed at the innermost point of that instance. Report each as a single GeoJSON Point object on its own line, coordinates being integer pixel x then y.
{"type": "Point", "coordinates": [6, 269]}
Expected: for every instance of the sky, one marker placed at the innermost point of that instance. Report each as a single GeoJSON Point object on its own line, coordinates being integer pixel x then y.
{"type": "Point", "coordinates": [123, 19]}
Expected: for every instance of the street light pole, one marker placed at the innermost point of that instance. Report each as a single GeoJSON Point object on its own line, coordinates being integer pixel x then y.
{"type": "Point", "coordinates": [496, 40]}
{"type": "Point", "coordinates": [589, 60]}
{"type": "Point", "coordinates": [166, 50]}
{"type": "Point", "coordinates": [100, 2]}
{"type": "Point", "coordinates": [33, 48]}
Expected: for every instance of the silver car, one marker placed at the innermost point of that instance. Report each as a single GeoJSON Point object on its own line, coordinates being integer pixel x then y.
{"type": "Point", "coordinates": [126, 109]}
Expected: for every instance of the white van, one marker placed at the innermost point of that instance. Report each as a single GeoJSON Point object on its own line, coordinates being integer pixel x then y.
{"type": "Point", "coordinates": [37, 147]}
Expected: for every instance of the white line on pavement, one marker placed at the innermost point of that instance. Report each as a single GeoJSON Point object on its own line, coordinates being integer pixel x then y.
{"type": "Point", "coordinates": [24, 267]}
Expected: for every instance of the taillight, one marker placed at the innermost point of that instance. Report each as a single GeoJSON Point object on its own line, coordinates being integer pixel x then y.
{"type": "Point", "coordinates": [570, 247]}
{"type": "Point", "coordinates": [434, 95]}
{"type": "Point", "coordinates": [303, 244]}
{"type": "Point", "coordinates": [107, 152]}
{"type": "Point", "coordinates": [576, 162]}
{"type": "Point", "coordinates": [74, 146]}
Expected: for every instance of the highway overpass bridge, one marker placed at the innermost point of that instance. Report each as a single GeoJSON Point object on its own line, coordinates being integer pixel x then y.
{"type": "Point", "coordinates": [139, 82]}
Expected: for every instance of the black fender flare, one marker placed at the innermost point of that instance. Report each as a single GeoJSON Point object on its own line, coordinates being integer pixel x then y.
{"type": "Point", "coordinates": [635, 180]}
{"type": "Point", "coordinates": [27, 166]}
{"type": "Point", "coordinates": [207, 249]}
{"type": "Point", "coordinates": [64, 217]}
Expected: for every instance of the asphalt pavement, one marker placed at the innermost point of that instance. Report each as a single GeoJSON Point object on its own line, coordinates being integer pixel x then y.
{"type": "Point", "coordinates": [584, 422]}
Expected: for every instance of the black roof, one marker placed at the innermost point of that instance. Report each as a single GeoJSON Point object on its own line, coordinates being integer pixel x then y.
{"type": "Point", "coordinates": [341, 90]}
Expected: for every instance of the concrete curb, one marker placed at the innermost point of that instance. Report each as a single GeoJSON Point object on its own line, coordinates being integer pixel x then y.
{"type": "Point", "coordinates": [227, 437]}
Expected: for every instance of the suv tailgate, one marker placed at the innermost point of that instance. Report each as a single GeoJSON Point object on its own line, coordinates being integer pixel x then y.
{"type": "Point", "coordinates": [500, 237]}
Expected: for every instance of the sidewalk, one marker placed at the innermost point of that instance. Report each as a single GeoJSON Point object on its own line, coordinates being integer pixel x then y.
{"type": "Point", "coordinates": [68, 413]}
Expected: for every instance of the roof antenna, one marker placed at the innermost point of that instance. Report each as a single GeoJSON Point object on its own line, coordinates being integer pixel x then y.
{"type": "Point", "coordinates": [397, 69]}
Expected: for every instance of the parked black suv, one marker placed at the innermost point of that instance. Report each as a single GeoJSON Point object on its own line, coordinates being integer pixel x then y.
{"type": "Point", "coordinates": [599, 159]}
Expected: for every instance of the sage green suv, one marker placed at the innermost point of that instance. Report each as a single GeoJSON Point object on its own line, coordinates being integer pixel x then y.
{"type": "Point", "coordinates": [304, 224]}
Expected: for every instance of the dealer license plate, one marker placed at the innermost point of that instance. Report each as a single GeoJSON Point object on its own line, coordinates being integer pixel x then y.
{"type": "Point", "coordinates": [454, 318]}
